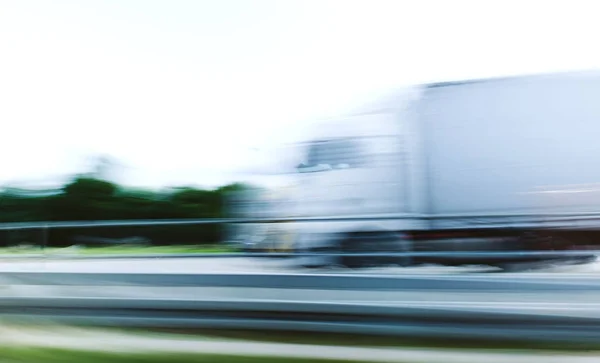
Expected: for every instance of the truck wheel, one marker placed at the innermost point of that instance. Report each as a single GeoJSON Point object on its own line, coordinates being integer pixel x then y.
{"type": "Point", "coordinates": [347, 244]}
{"type": "Point", "coordinates": [317, 261]}
{"type": "Point", "coordinates": [315, 245]}
{"type": "Point", "coordinates": [510, 267]}
{"type": "Point", "coordinates": [524, 266]}
{"type": "Point", "coordinates": [381, 242]}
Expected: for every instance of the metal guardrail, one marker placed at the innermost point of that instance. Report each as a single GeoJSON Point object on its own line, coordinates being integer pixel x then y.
{"type": "Point", "coordinates": [284, 281]}
{"type": "Point", "coordinates": [523, 331]}
{"type": "Point", "coordinates": [444, 321]}
{"type": "Point", "coordinates": [161, 222]}
{"type": "Point", "coordinates": [349, 218]}
{"type": "Point", "coordinates": [429, 317]}
{"type": "Point", "coordinates": [557, 313]}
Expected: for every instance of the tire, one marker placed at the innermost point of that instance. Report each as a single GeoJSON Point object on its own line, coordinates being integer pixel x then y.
{"type": "Point", "coordinates": [378, 242]}
{"type": "Point", "coordinates": [305, 244]}
{"type": "Point", "coordinates": [320, 262]}
{"type": "Point", "coordinates": [511, 267]}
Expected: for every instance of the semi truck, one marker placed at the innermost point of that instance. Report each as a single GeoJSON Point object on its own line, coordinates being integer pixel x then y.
{"type": "Point", "coordinates": [505, 164]}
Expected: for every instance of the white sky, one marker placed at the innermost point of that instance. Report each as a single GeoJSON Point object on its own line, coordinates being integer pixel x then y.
{"type": "Point", "coordinates": [179, 91]}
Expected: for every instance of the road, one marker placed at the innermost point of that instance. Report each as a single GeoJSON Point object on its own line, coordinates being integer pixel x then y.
{"type": "Point", "coordinates": [251, 265]}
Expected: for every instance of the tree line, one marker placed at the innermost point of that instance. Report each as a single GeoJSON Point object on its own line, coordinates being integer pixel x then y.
{"type": "Point", "coordinates": [88, 198]}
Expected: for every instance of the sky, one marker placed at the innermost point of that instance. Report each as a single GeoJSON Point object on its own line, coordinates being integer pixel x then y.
{"type": "Point", "coordinates": [189, 92]}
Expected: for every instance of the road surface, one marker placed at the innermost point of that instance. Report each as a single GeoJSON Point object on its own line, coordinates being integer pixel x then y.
{"type": "Point", "coordinates": [247, 265]}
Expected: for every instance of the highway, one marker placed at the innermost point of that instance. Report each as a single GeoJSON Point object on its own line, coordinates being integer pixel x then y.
{"type": "Point", "coordinates": [251, 265]}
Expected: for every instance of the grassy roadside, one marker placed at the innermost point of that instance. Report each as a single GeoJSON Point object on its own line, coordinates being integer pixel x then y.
{"type": "Point", "coordinates": [127, 345]}
{"type": "Point", "coordinates": [120, 250]}
{"type": "Point", "coordinates": [312, 339]}
{"type": "Point", "coordinates": [47, 355]}
{"type": "Point", "coordinates": [372, 341]}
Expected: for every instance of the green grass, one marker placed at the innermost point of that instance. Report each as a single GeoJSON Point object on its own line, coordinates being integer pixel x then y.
{"type": "Point", "coordinates": [47, 355]}
{"type": "Point", "coordinates": [121, 250]}
{"type": "Point", "coordinates": [17, 353]}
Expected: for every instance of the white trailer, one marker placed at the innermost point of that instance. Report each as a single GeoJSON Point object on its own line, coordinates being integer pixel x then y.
{"type": "Point", "coordinates": [489, 146]}
{"type": "Point", "coordinates": [453, 160]}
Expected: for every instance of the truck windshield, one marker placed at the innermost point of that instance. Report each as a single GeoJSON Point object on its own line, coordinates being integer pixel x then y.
{"type": "Point", "coordinates": [334, 154]}
{"type": "Point", "coordinates": [356, 152]}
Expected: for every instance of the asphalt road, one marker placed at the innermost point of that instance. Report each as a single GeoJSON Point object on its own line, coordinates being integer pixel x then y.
{"type": "Point", "coordinates": [253, 265]}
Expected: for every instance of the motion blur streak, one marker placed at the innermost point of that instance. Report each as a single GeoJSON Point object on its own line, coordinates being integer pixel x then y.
{"type": "Point", "coordinates": [479, 307]}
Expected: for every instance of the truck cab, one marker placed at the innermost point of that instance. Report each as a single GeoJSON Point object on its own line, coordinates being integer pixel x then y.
{"type": "Point", "coordinates": [352, 167]}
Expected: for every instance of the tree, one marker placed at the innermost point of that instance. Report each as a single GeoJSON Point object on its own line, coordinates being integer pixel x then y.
{"type": "Point", "coordinates": [85, 199]}
{"type": "Point", "coordinates": [90, 188]}
{"type": "Point", "coordinates": [88, 198]}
